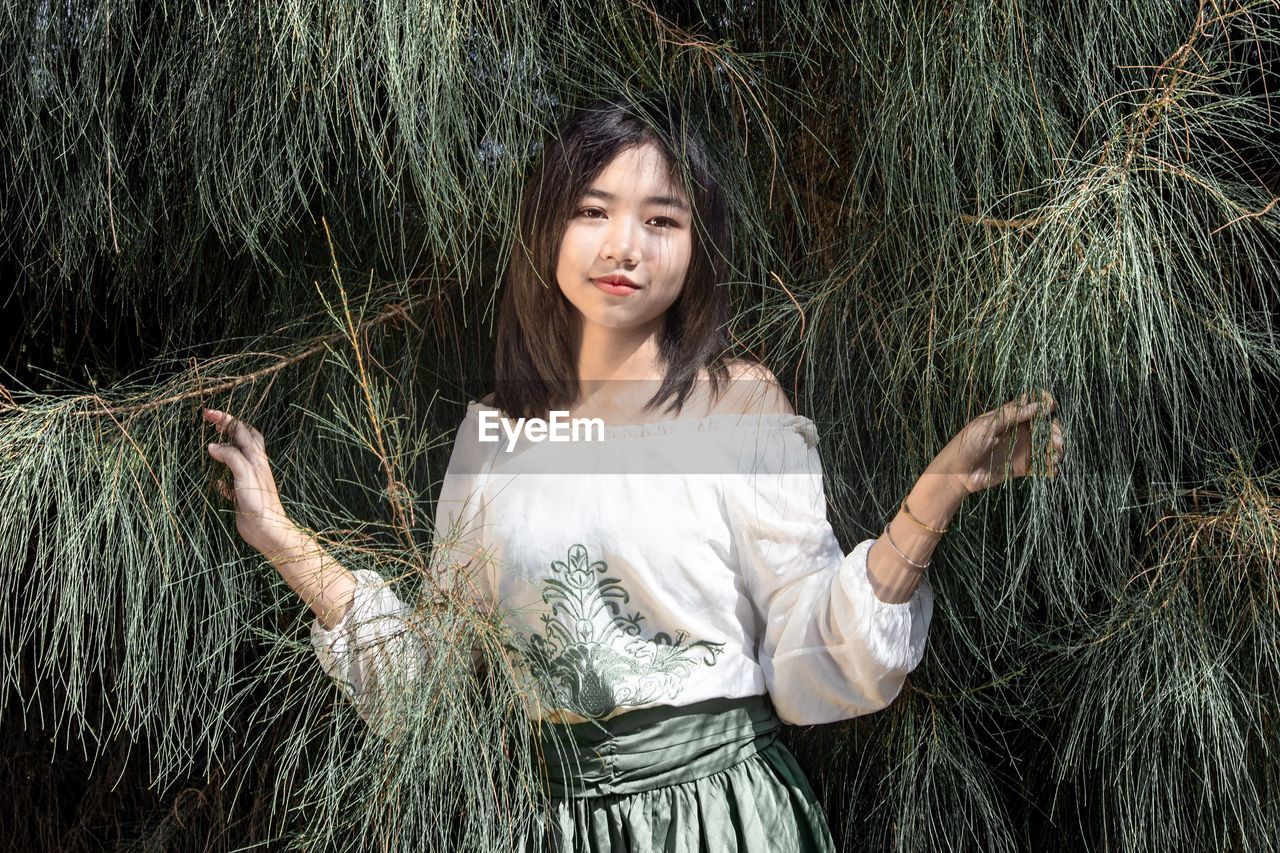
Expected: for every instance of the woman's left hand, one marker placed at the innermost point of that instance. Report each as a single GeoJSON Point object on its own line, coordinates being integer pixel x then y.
{"type": "Point", "coordinates": [980, 453]}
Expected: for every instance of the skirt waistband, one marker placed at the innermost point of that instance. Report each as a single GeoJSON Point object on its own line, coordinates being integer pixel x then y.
{"type": "Point", "coordinates": [656, 746]}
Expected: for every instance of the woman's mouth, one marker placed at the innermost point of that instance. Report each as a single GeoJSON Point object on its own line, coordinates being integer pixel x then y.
{"type": "Point", "coordinates": [614, 285]}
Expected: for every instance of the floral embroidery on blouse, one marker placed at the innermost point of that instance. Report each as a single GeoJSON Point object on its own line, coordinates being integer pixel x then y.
{"type": "Point", "coordinates": [590, 658]}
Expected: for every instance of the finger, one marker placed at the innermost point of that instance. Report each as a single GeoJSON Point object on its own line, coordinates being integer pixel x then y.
{"type": "Point", "coordinates": [222, 422]}
{"type": "Point", "coordinates": [224, 490]}
{"type": "Point", "coordinates": [241, 433]}
{"type": "Point", "coordinates": [249, 439]}
{"type": "Point", "coordinates": [1030, 408]}
{"type": "Point", "coordinates": [1042, 401]}
{"type": "Point", "coordinates": [230, 455]}
{"type": "Point", "coordinates": [1014, 412]}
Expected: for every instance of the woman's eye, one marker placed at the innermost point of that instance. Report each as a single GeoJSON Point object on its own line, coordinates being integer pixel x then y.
{"type": "Point", "coordinates": [596, 213]}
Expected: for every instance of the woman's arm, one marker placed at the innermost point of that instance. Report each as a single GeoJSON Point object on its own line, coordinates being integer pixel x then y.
{"type": "Point", "coordinates": [991, 448]}
{"type": "Point", "coordinates": [321, 581]}
{"type": "Point", "coordinates": [933, 500]}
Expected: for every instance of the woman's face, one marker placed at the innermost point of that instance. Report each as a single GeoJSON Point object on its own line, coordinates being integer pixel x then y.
{"type": "Point", "coordinates": [633, 222]}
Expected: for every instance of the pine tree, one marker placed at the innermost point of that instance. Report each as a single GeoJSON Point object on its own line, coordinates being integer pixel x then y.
{"type": "Point", "coordinates": [300, 213]}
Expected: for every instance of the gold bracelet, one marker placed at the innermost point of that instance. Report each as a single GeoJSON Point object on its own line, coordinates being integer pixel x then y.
{"type": "Point", "coordinates": [894, 546]}
{"type": "Point", "coordinates": [921, 523]}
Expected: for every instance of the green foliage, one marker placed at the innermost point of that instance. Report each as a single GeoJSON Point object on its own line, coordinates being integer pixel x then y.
{"type": "Point", "coordinates": [300, 213]}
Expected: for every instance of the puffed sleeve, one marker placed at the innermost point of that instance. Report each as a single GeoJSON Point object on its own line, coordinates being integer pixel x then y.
{"type": "Point", "coordinates": [378, 647]}
{"type": "Point", "coordinates": [828, 647]}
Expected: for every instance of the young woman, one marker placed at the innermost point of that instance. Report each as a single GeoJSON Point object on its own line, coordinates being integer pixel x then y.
{"type": "Point", "coordinates": [682, 593]}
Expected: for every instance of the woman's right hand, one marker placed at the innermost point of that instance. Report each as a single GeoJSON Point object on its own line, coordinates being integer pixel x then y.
{"type": "Point", "coordinates": [260, 517]}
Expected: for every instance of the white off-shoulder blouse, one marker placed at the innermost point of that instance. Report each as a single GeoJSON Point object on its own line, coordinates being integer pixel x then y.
{"type": "Point", "coordinates": [667, 563]}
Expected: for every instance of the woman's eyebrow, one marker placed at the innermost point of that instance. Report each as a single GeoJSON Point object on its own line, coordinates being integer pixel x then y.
{"type": "Point", "coordinates": [667, 200]}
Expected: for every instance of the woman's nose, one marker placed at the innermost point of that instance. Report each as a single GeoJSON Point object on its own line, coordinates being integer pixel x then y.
{"type": "Point", "coordinates": [620, 243]}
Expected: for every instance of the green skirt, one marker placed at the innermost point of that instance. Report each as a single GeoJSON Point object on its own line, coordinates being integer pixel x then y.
{"type": "Point", "coordinates": [710, 777]}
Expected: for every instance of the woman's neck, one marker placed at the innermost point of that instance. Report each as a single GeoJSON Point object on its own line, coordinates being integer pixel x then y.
{"type": "Point", "coordinates": [606, 355]}
{"type": "Point", "coordinates": [618, 369]}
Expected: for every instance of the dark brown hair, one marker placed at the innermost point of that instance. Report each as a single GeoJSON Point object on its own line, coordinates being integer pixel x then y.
{"type": "Point", "coordinates": [539, 330]}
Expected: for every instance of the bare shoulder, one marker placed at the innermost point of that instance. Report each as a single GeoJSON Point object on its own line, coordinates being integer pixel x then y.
{"type": "Point", "coordinates": [487, 399]}
{"type": "Point", "coordinates": [753, 389]}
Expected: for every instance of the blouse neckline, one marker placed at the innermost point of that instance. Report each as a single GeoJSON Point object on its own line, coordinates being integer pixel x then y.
{"type": "Point", "coordinates": [706, 423]}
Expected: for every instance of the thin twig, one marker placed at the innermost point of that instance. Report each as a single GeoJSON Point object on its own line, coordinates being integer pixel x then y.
{"type": "Point", "coordinates": [320, 345]}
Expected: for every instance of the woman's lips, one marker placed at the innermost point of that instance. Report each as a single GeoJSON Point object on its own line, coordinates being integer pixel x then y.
{"type": "Point", "coordinates": [613, 288]}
